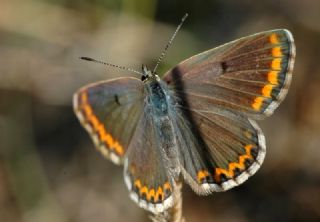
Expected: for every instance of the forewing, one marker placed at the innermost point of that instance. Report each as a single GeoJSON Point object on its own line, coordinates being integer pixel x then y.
{"type": "Point", "coordinates": [109, 111]}
{"type": "Point", "coordinates": [144, 170]}
{"type": "Point", "coordinates": [250, 75]}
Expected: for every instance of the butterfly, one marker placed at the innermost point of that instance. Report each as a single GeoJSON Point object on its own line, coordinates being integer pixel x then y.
{"type": "Point", "coordinates": [196, 123]}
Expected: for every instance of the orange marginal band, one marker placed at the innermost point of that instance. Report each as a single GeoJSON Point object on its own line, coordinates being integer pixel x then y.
{"type": "Point", "coordinates": [232, 166]}
{"type": "Point", "coordinates": [276, 52]}
{"type": "Point", "coordinates": [104, 135]}
{"type": "Point", "coordinates": [156, 194]}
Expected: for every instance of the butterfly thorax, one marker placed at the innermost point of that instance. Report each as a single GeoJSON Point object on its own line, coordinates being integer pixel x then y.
{"type": "Point", "coordinates": [157, 97]}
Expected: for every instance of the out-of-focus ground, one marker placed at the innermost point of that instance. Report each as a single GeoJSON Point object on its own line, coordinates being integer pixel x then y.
{"type": "Point", "coordinates": [49, 170]}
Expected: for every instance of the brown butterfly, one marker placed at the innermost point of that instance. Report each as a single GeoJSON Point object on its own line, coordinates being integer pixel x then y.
{"type": "Point", "coordinates": [197, 122]}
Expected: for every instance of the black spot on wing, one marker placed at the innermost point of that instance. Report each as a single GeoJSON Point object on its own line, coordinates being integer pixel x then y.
{"type": "Point", "coordinates": [224, 66]}
{"type": "Point", "coordinates": [116, 98]}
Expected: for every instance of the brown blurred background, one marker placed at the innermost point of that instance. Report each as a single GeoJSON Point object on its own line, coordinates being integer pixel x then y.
{"type": "Point", "coordinates": [49, 170]}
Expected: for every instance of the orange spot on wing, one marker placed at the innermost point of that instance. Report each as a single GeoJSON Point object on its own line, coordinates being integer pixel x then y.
{"type": "Point", "coordinates": [273, 77]}
{"type": "Point", "coordinates": [266, 90]}
{"type": "Point", "coordinates": [151, 194]}
{"type": "Point", "coordinates": [276, 51]}
{"type": "Point", "coordinates": [248, 148]}
{"type": "Point", "coordinates": [201, 175]}
{"type": "Point", "coordinates": [137, 183]}
{"type": "Point", "coordinates": [159, 195]}
{"type": "Point", "coordinates": [233, 166]}
{"type": "Point", "coordinates": [220, 171]}
{"type": "Point", "coordinates": [257, 103]}
{"type": "Point", "coordinates": [167, 186]}
{"type": "Point", "coordinates": [274, 39]}
{"type": "Point", "coordinates": [144, 190]}
{"type": "Point", "coordinates": [276, 64]}
{"type": "Point", "coordinates": [248, 155]}
{"type": "Point", "coordinates": [104, 135]}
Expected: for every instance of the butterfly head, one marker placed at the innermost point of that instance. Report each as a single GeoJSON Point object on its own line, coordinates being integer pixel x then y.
{"type": "Point", "coordinates": [147, 73]}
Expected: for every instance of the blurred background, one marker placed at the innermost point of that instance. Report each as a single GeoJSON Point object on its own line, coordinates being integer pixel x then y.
{"type": "Point", "coordinates": [49, 170]}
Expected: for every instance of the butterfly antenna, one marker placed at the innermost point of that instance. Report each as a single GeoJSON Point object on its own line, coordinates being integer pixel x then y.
{"type": "Point", "coordinates": [109, 64]}
{"type": "Point", "coordinates": [169, 43]}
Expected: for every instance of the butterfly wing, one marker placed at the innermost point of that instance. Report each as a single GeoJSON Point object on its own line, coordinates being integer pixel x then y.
{"type": "Point", "coordinates": [115, 115]}
{"type": "Point", "coordinates": [219, 149]}
{"type": "Point", "coordinates": [145, 172]}
{"type": "Point", "coordinates": [109, 111]}
{"type": "Point", "coordinates": [218, 93]}
{"type": "Point", "coordinates": [250, 75]}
